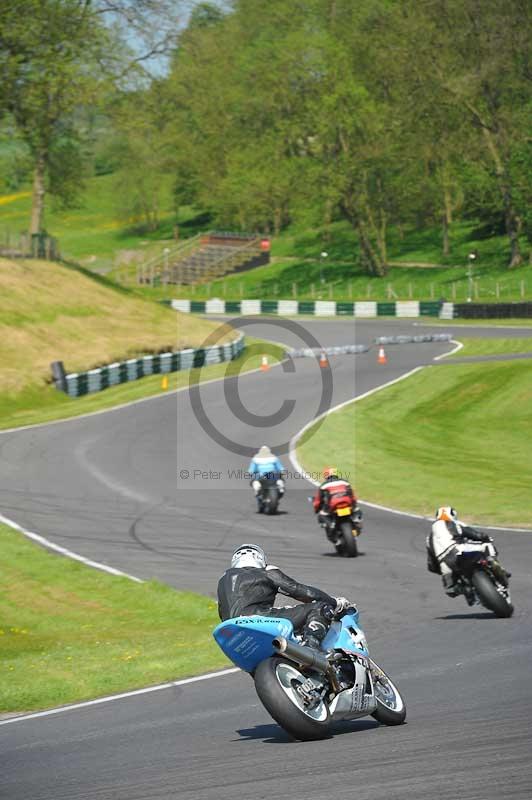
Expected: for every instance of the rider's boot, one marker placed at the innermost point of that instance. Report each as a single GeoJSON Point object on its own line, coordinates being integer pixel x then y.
{"type": "Point", "coordinates": [449, 585]}
{"type": "Point", "coordinates": [314, 633]}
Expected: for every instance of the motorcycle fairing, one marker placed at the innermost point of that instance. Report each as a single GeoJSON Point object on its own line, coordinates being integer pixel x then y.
{"type": "Point", "coordinates": [248, 640]}
{"type": "Point", "coordinates": [357, 701]}
{"type": "Point", "coordinates": [346, 634]}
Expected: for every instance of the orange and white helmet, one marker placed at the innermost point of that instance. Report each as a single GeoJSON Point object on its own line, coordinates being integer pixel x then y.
{"type": "Point", "coordinates": [447, 514]}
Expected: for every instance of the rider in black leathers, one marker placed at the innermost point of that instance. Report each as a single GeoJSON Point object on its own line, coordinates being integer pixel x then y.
{"type": "Point", "coordinates": [250, 587]}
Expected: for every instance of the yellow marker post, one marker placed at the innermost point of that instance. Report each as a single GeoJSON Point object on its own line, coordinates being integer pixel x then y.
{"type": "Point", "coordinates": [164, 382]}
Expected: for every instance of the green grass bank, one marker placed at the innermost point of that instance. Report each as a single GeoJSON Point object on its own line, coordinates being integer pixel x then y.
{"type": "Point", "coordinates": [52, 312]}
{"type": "Point", "coordinates": [71, 633]}
{"type": "Point", "coordinates": [451, 434]}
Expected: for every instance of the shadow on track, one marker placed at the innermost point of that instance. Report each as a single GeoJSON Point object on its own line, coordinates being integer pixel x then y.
{"type": "Point", "coordinates": [274, 734]}
{"type": "Point", "coordinates": [478, 615]}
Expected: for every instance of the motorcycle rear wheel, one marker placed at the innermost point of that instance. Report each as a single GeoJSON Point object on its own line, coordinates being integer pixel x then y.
{"type": "Point", "coordinates": [489, 596]}
{"type": "Point", "coordinates": [348, 544]}
{"type": "Point", "coordinates": [391, 708]}
{"type": "Point", "coordinates": [276, 682]}
{"type": "Point", "coordinates": [272, 500]}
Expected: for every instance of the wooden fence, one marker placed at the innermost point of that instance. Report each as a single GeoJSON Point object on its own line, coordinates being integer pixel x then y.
{"type": "Point", "coordinates": [26, 245]}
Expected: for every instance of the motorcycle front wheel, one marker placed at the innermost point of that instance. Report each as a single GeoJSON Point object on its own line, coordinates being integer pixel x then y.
{"type": "Point", "coordinates": [489, 596]}
{"type": "Point", "coordinates": [277, 682]}
{"type": "Point", "coordinates": [391, 708]}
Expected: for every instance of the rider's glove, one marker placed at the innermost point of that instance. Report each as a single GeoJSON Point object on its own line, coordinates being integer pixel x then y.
{"type": "Point", "coordinates": [342, 604]}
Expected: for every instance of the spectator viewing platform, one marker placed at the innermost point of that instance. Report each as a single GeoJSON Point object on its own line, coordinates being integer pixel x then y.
{"type": "Point", "coordinates": [205, 257]}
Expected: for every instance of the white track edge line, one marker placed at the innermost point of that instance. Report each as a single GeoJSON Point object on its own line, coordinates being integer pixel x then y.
{"type": "Point", "coordinates": [458, 347]}
{"type": "Point", "coordinates": [64, 552]}
{"type": "Point", "coordinates": [111, 697]}
{"type": "Point", "coordinates": [292, 447]}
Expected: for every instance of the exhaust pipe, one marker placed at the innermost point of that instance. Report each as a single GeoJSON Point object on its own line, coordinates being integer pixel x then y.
{"type": "Point", "coordinates": [301, 654]}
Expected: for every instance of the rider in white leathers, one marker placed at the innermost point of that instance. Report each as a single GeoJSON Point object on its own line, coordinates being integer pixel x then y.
{"type": "Point", "coordinates": [446, 543]}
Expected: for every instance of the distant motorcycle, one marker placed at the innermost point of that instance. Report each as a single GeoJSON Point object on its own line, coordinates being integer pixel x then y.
{"type": "Point", "coordinates": [342, 524]}
{"type": "Point", "coordinates": [305, 689]}
{"type": "Point", "coordinates": [269, 495]}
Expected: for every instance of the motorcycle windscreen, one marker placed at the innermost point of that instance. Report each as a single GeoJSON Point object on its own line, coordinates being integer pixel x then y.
{"type": "Point", "coordinates": [248, 640]}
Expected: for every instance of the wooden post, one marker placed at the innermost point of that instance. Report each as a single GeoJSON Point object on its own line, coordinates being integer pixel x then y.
{"type": "Point", "coordinates": [294, 289]}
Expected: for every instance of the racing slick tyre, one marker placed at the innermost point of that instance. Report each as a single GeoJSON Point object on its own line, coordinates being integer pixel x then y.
{"type": "Point", "coordinates": [489, 596]}
{"type": "Point", "coordinates": [277, 682]}
{"type": "Point", "coordinates": [348, 544]}
{"type": "Point", "coordinates": [391, 708]}
{"type": "Point", "coordinates": [271, 501]}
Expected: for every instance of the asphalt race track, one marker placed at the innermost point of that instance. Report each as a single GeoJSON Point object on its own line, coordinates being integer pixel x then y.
{"type": "Point", "coordinates": [114, 488]}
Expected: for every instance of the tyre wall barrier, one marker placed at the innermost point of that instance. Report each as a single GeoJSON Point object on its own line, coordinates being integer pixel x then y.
{"type": "Point", "coordinates": [338, 350]}
{"type": "Point", "coordinates": [76, 384]}
{"type": "Point", "coordinates": [431, 337]}
{"type": "Point", "coordinates": [492, 310]}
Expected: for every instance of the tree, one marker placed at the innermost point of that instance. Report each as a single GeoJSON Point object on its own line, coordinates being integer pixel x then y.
{"type": "Point", "coordinates": [476, 57]}
{"type": "Point", "coordinates": [48, 52]}
{"type": "Point", "coordinates": [56, 58]}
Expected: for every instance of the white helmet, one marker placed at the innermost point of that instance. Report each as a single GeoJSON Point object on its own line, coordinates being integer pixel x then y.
{"type": "Point", "coordinates": [249, 555]}
{"type": "Point", "coordinates": [447, 514]}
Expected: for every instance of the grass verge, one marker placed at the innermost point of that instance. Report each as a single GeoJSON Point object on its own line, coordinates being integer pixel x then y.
{"type": "Point", "coordinates": [37, 405]}
{"type": "Point", "coordinates": [488, 347]}
{"type": "Point", "coordinates": [452, 434]}
{"type": "Point", "coordinates": [71, 633]}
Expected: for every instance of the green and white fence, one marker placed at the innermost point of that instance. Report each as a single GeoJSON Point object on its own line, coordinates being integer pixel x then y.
{"type": "Point", "coordinates": [318, 308]}
{"type": "Point", "coordinates": [360, 309]}
{"type": "Point", "coordinates": [76, 384]}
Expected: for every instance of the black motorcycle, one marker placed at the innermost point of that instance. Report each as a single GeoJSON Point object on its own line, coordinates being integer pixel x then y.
{"type": "Point", "coordinates": [481, 578]}
{"type": "Point", "coordinates": [269, 495]}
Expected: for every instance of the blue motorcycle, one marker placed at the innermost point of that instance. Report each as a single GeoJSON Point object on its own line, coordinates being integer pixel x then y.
{"type": "Point", "coordinates": [305, 689]}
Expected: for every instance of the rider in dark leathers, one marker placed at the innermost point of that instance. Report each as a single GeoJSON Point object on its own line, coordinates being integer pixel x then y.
{"type": "Point", "coordinates": [250, 586]}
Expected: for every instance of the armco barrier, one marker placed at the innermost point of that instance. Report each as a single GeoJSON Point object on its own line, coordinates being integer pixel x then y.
{"type": "Point", "coordinates": [358, 309]}
{"type": "Point", "coordinates": [317, 308]}
{"type": "Point", "coordinates": [95, 380]}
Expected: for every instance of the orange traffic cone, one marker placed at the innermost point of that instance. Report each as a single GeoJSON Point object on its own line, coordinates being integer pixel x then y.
{"type": "Point", "coordinates": [381, 359]}
{"type": "Point", "coordinates": [264, 366]}
{"type": "Point", "coordinates": [324, 362]}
